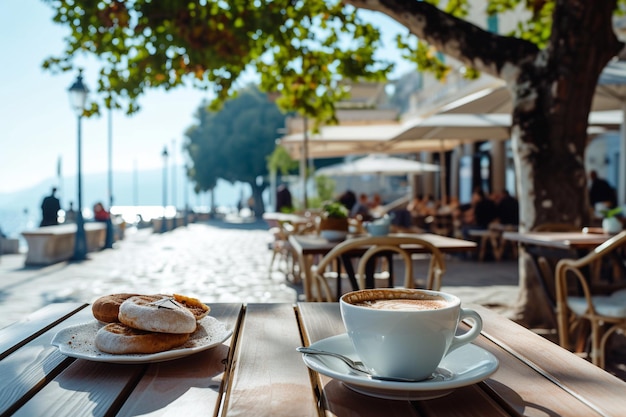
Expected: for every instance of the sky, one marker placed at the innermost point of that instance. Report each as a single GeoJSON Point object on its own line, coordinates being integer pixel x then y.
{"type": "Point", "coordinates": [38, 128]}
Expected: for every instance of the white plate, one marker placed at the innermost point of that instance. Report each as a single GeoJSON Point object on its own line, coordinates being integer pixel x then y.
{"type": "Point", "coordinates": [465, 366]}
{"type": "Point", "coordinates": [78, 342]}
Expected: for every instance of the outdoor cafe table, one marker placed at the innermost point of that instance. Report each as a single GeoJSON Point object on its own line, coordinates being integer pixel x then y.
{"type": "Point", "coordinates": [307, 246]}
{"type": "Point", "coordinates": [555, 245]}
{"type": "Point", "coordinates": [292, 218]}
{"type": "Point", "coordinates": [257, 372]}
{"type": "Point", "coordinates": [558, 240]}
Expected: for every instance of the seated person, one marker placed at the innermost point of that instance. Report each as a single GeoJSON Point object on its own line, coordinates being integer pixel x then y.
{"type": "Point", "coordinates": [348, 199]}
{"type": "Point", "coordinates": [484, 212]}
{"type": "Point", "coordinates": [361, 208]}
{"type": "Point", "coordinates": [508, 209]}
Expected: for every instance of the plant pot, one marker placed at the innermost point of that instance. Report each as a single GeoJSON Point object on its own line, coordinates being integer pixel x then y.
{"type": "Point", "coordinates": [611, 225]}
{"type": "Point", "coordinates": [332, 223]}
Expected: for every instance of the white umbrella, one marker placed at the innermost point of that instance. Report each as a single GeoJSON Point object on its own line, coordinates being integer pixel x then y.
{"type": "Point", "coordinates": [378, 164]}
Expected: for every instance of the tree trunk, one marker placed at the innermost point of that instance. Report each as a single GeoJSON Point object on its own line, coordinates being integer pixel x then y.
{"type": "Point", "coordinates": [552, 92]}
{"type": "Point", "coordinates": [550, 119]}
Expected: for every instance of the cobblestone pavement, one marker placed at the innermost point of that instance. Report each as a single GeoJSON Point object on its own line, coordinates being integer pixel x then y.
{"type": "Point", "coordinates": [213, 261]}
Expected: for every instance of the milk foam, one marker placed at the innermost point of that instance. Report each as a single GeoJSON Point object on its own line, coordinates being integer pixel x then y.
{"type": "Point", "coordinates": [405, 304]}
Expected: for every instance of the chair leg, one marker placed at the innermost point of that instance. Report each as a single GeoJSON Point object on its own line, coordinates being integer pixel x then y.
{"type": "Point", "coordinates": [497, 246]}
{"type": "Point", "coordinates": [272, 261]}
{"type": "Point", "coordinates": [596, 355]}
{"type": "Point", "coordinates": [563, 326]}
{"type": "Point", "coordinates": [483, 248]}
{"type": "Point", "coordinates": [580, 331]}
{"type": "Point", "coordinates": [604, 340]}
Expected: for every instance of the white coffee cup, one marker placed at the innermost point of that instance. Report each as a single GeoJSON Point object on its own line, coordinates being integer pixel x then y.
{"type": "Point", "coordinates": [408, 333]}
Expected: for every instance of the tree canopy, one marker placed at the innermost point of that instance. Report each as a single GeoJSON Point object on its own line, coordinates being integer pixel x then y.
{"type": "Point", "coordinates": [300, 49]}
{"type": "Point", "coordinates": [234, 142]}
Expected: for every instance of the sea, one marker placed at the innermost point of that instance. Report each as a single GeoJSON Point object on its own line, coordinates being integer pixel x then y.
{"type": "Point", "coordinates": [20, 210]}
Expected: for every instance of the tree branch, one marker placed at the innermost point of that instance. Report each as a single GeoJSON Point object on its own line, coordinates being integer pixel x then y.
{"type": "Point", "coordinates": [500, 56]}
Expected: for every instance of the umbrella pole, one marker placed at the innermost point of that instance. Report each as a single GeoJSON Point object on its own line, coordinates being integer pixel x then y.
{"type": "Point", "coordinates": [304, 162]}
{"type": "Point", "coordinates": [443, 175]}
{"type": "Point", "coordinates": [621, 187]}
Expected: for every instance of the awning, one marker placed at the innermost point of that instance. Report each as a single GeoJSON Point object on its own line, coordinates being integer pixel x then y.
{"type": "Point", "coordinates": [378, 164]}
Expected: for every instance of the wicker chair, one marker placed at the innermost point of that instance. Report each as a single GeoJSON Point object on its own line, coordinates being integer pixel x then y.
{"type": "Point", "coordinates": [329, 266]}
{"type": "Point", "coordinates": [579, 303]}
{"type": "Point", "coordinates": [283, 255]}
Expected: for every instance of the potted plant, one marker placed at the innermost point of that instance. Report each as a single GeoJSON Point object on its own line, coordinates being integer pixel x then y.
{"type": "Point", "coordinates": [611, 224]}
{"type": "Point", "coordinates": [334, 217]}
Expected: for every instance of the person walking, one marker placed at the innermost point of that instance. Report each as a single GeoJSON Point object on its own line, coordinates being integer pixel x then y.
{"type": "Point", "coordinates": [50, 207]}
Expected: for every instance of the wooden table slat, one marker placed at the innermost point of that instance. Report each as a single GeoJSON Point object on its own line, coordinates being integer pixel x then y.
{"type": "Point", "coordinates": [19, 333]}
{"type": "Point", "coordinates": [70, 394]}
{"type": "Point", "coordinates": [28, 368]}
{"type": "Point", "coordinates": [269, 377]}
{"type": "Point", "coordinates": [319, 321]}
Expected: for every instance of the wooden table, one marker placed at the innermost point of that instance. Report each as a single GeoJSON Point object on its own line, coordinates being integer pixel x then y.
{"type": "Point", "coordinates": [307, 246]}
{"type": "Point", "coordinates": [543, 246]}
{"type": "Point", "coordinates": [292, 218]}
{"type": "Point", "coordinates": [257, 372]}
{"type": "Point", "coordinates": [558, 240]}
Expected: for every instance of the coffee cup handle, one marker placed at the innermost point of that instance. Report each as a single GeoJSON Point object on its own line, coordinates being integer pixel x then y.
{"type": "Point", "coordinates": [472, 333]}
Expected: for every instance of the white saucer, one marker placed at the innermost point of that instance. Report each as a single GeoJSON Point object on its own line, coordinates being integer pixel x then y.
{"type": "Point", "coordinates": [465, 366]}
{"type": "Point", "coordinates": [333, 235]}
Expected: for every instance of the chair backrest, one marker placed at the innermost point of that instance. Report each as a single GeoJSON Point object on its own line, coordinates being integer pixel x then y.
{"type": "Point", "coordinates": [579, 268]}
{"type": "Point", "coordinates": [369, 247]}
{"type": "Point", "coordinates": [582, 270]}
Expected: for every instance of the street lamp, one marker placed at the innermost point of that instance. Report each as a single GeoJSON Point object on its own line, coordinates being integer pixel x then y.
{"type": "Point", "coordinates": [165, 155]}
{"type": "Point", "coordinates": [110, 159]}
{"type": "Point", "coordinates": [78, 98]}
{"type": "Point", "coordinates": [186, 195]}
{"type": "Point", "coordinates": [304, 162]}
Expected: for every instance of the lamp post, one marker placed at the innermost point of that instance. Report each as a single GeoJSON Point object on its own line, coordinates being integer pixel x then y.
{"type": "Point", "coordinates": [163, 223]}
{"type": "Point", "coordinates": [78, 98]}
{"type": "Point", "coordinates": [174, 177]}
{"type": "Point", "coordinates": [186, 195]}
{"type": "Point", "coordinates": [110, 160]}
{"type": "Point", "coordinates": [304, 163]}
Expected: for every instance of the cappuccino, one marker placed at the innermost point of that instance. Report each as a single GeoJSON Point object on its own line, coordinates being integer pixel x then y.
{"type": "Point", "coordinates": [404, 304]}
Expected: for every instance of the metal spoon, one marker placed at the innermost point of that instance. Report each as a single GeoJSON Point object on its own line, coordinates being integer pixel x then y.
{"type": "Point", "coordinates": [354, 365]}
